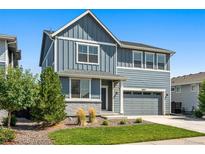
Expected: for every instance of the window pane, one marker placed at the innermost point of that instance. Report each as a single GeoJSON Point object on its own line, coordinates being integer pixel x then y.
{"type": "Point", "coordinates": [149, 60]}
{"type": "Point", "coordinates": [65, 86]}
{"type": "Point", "coordinates": [93, 50]}
{"type": "Point", "coordinates": [84, 88]}
{"type": "Point", "coordinates": [95, 89]}
{"type": "Point", "coordinates": [82, 48]}
{"type": "Point", "coordinates": [82, 57]}
{"type": "Point", "coordinates": [93, 58]}
{"type": "Point", "coordinates": [75, 88]}
{"type": "Point", "coordinates": [137, 59]}
{"type": "Point", "coordinates": [161, 62]}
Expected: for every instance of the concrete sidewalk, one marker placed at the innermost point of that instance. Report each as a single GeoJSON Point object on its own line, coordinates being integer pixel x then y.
{"type": "Point", "coordinates": [183, 141]}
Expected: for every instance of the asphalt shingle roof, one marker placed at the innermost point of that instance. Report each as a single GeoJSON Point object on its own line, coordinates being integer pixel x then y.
{"type": "Point", "coordinates": [189, 79]}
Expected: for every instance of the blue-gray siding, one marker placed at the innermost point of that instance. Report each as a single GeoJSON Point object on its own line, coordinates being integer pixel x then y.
{"type": "Point", "coordinates": [125, 58]}
{"type": "Point", "coordinates": [2, 51]}
{"type": "Point", "coordinates": [88, 29]}
{"type": "Point", "coordinates": [147, 79]}
{"type": "Point", "coordinates": [67, 58]}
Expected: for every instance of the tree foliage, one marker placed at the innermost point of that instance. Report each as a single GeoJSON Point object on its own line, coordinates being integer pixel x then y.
{"type": "Point", "coordinates": [202, 97]}
{"type": "Point", "coordinates": [18, 90]}
{"type": "Point", "coordinates": [50, 105]}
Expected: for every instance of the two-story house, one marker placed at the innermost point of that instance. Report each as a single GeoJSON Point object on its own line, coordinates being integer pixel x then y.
{"type": "Point", "coordinates": [9, 54]}
{"type": "Point", "coordinates": [185, 91]}
{"type": "Point", "coordinates": [99, 70]}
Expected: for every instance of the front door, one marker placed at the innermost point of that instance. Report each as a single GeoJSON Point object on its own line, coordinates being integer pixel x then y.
{"type": "Point", "coordinates": [104, 98]}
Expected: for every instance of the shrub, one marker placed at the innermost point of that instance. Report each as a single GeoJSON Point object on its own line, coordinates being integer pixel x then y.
{"type": "Point", "coordinates": [201, 97]}
{"type": "Point", "coordinates": [50, 105]}
{"type": "Point", "coordinates": [123, 122]}
{"type": "Point", "coordinates": [13, 121]}
{"type": "Point", "coordinates": [92, 115]}
{"type": "Point", "coordinates": [198, 113]}
{"type": "Point", "coordinates": [105, 123]}
{"type": "Point", "coordinates": [81, 117]}
{"type": "Point", "coordinates": [6, 135]}
{"type": "Point", "coordinates": [138, 120]}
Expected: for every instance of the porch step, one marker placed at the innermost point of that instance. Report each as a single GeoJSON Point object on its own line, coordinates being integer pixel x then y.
{"type": "Point", "coordinates": [111, 117]}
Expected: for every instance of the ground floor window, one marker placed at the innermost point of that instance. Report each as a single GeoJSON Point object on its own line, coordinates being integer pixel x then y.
{"type": "Point", "coordinates": [81, 88]}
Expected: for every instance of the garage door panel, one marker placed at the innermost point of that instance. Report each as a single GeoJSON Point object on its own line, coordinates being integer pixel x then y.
{"type": "Point", "coordinates": [142, 104]}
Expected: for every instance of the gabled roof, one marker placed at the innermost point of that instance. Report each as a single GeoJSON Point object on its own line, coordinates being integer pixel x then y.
{"type": "Point", "coordinates": [188, 79]}
{"type": "Point", "coordinates": [81, 16]}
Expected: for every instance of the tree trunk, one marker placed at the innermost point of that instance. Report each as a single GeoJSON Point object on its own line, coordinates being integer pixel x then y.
{"type": "Point", "coordinates": [9, 119]}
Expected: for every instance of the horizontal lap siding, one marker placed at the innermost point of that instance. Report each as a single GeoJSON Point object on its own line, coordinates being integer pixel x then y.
{"type": "Point", "coordinates": [147, 79]}
{"type": "Point", "coordinates": [67, 58]}
{"type": "Point", "coordinates": [187, 97]}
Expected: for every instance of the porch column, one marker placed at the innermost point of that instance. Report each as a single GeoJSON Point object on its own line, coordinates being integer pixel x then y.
{"type": "Point", "coordinates": [121, 98]}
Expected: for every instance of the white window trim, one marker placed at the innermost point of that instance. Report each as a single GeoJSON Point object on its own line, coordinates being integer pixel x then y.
{"type": "Point", "coordinates": [178, 91]}
{"type": "Point", "coordinates": [165, 64]}
{"type": "Point", "coordinates": [82, 99]}
{"type": "Point", "coordinates": [88, 44]}
{"type": "Point", "coordinates": [195, 87]}
{"type": "Point", "coordinates": [146, 59]}
{"type": "Point", "coordinates": [133, 52]}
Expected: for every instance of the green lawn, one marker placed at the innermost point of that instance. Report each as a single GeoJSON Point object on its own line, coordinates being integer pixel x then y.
{"type": "Point", "coordinates": [119, 135]}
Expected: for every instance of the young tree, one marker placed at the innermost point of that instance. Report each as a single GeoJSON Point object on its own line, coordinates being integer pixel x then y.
{"type": "Point", "coordinates": [50, 106]}
{"type": "Point", "coordinates": [202, 98]}
{"type": "Point", "coordinates": [17, 90]}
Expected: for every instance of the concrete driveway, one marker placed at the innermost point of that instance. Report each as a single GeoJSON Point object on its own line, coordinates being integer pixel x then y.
{"type": "Point", "coordinates": [177, 121]}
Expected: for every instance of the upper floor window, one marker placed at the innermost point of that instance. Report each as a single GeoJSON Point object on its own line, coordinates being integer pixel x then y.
{"type": "Point", "coordinates": [173, 89]}
{"type": "Point", "coordinates": [137, 59]}
{"type": "Point", "coordinates": [149, 60]}
{"type": "Point", "coordinates": [193, 88]}
{"type": "Point", "coordinates": [178, 89]}
{"type": "Point", "coordinates": [87, 53]}
{"type": "Point", "coordinates": [161, 61]}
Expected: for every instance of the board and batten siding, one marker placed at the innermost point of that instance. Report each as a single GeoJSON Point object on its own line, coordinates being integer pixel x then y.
{"type": "Point", "coordinates": [87, 29]}
{"type": "Point", "coordinates": [67, 58]}
{"type": "Point", "coordinates": [49, 59]}
{"type": "Point", "coordinates": [146, 79]}
{"type": "Point", "coordinates": [2, 51]}
{"type": "Point", "coordinates": [188, 98]}
{"type": "Point", "coordinates": [125, 58]}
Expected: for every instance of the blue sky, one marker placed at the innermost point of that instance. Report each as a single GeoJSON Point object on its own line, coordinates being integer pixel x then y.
{"type": "Point", "coordinates": [180, 30]}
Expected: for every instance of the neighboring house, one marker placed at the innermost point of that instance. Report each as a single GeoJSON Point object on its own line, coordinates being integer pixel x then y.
{"type": "Point", "coordinates": [185, 90]}
{"type": "Point", "coordinates": [98, 70]}
{"type": "Point", "coordinates": [9, 54]}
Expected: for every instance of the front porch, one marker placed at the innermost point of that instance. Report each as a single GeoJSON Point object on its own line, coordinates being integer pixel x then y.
{"type": "Point", "coordinates": [86, 89]}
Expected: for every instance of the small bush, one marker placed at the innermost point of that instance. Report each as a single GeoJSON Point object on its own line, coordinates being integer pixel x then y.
{"type": "Point", "coordinates": [123, 122]}
{"type": "Point", "coordinates": [92, 115]}
{"type": "Point", "coordinates": [81, 117]}
{"type": "Point", "coordinates": [138, 120]}
{"type": "Point", "coordinates": [13, 121]}
{"type": "Point", "coordinates": [105, 123]}
{"type": "Point", "coordinates": [6, 135]}
{"type": "Point", "coordinates": [198, 114]}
